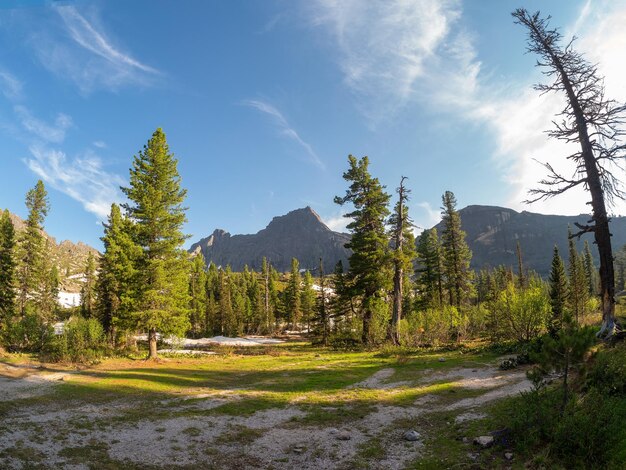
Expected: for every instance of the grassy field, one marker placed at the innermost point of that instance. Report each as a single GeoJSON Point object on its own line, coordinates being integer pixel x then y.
{"type": "Point", "coordinates": [288, 406]}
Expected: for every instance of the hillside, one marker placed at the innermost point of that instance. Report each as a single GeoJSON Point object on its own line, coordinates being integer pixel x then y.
{"type": "Point", "coordinates": [493, 232]}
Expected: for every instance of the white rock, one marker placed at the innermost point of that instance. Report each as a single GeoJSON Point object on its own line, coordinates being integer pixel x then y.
{"type": "Point", "coordinates": [411, 435]}
{"type": "Point", "coordinates": [484, 441]}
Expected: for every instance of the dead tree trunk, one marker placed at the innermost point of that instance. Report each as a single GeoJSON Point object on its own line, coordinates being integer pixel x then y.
{"type": "Point", "coordinates": [595, 124]}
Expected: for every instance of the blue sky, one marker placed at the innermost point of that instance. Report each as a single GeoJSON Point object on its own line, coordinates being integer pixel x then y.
{"type": "Point", "coordinates": [262, 101]}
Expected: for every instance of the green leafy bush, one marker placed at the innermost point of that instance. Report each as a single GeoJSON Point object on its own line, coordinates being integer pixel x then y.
{"type": "Point", "coordinates": [29, 334]}
{"type": "Point", "coordinates": [83, 340]}
{"type": "Point", "coordinates": [608, 373]}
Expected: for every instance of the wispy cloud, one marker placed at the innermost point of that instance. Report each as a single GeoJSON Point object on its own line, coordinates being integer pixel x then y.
{"type": "Point", "coordinates": [425, 217]}
{"type": "Point", "coordinates": [50, 132]}
{"type": "Point", "coordinates": [100, 144]}
{"type": "Point", "coordinates": [83, 178]}
{"type": "Point", "coordinates": [388, 49]}
{"type": "Point", "coordinates": [10, 85]}
{"type": "Point", "coordinates": [285, 129]}
{"type": "Point", "coordinates": [337, 223]}
{"type": "Point", "coordinates": [83, 53]}
{"type": "Point", "coordinates": [398, 52]}
{"type": "Point", "coordinates": [519, 121]}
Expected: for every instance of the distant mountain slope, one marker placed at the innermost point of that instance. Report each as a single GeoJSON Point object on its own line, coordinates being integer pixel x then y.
{"type": "Point", "coordinates": [299, 234]}
{"type": "Point", "coordinates": [493, 232]}
{"type": "Point", "coordinates": [70, 258]}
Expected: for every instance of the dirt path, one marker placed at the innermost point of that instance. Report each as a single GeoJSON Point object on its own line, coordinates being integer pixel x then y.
{"type": "Point", "coordinates": [271, 438]}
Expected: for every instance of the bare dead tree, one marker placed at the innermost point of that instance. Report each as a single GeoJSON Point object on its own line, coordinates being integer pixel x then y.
{"type": "Point", "coordinates": [593, 122]}
{"type": "Point", "coordinates": [402, 255]}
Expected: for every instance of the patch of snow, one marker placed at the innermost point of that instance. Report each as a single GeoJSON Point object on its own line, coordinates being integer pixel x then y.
{"type": "Point", "coordinates": [68, 299]}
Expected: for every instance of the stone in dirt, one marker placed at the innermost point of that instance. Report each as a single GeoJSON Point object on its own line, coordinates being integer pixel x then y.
{"type": "Point", "coordinates": [508, 455]}
{"type": "Point", "coordinates": [483, 441]}
{"type": "Point", "coordinates": [411, 435]}
{"type": "Point", "coordinates": [442, 359]}
{"type": "Point", "coordinates": [343, 436]}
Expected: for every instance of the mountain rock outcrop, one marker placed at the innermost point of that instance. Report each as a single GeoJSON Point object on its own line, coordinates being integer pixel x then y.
{"type": "Point", "coordinates": [299, 234]}
{"type": "Point", "coordinates": [493, 233]}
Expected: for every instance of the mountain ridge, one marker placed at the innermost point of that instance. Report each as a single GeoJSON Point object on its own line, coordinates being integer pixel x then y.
{"type": "Point", "coordinates": [299, 234]}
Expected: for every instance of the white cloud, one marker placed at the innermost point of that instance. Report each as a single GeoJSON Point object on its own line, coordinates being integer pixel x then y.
{"type": "Point", "coordinates": [100, 144]}
{"type": "Point", "coordinates": [54, 132]}
{"type": "Point", "coordinates": [285, 129]}
{"type": "Point", "coordinates": [84, 54]}
{"type": "Point", "coordinates": [425, 217]}
{"type": "Point", "coordinates": [11, 86]}
{"type": "Point", "coordinates": [397, 52]}
{"type": "Point", "coordinates": [388, 49]}
{"type": "Point", "coordinates": [337, 223]}
{"type": "Point", "coordinates": [82, 178]}
{"type": "Point", "coordinates": [519, 121]}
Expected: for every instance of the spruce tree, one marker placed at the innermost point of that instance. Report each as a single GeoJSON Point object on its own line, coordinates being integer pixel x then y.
{"type": "Point", "coordinates": [456, 254]}
{"type": "Point", "coordinates": [198, 295]}
{"type": "Point", "coordinates": [31, 276]}
{"type": "Point", "coordinates": [48, 298]}
{"type": "Point", "coordinates": [225, 315]}
{"type": "Point", "coordinates": [307, 299]}
{"type": "Point", "coordinates": [590, 270]}
{"type": "Point", "coordinates": [7, 270]}
{"type": "Point", "coordinates": [578, 284]}
{"type": "Point", "coordinates": [370, 270]}
{"type": "Point", "coordinates": [156, 206]}
{"type": "Point", "coordinates": [403, 254]}
{"type": "Point", "coordinates": [322, 308]}
{"type": "Point", "coordinates": [558, 293]}
{"type": "Point", "coordinates": [88, 291]}
{"type": "Point", "coordinates": [212, 304]}
{"type": "Point", "coordinates": [293, 300]}
{"type": "Point", "coordinates": [117, 281]}
{"type": "Point", "coordinates": [521, 276]}
{"type": "Point", "coordinates": [430, 269]}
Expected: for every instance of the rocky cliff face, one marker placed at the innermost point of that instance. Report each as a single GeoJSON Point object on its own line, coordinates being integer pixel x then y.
{"type": "Point", "coordinates": [493, 232]}
{"type": "Point", "coordinates": [299, 234]}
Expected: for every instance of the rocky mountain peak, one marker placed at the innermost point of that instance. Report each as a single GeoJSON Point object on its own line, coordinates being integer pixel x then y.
{"type": "Point", "coordinates": [298, 234]}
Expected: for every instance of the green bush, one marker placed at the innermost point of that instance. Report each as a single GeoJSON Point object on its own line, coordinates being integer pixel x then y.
{"type": "Point", "coordinates": [83, 340]}
{"type": "Point", "coordinates": [29, 334]}
{"type": "Point", "coordinates": [588, 432]}
{"type": "Point", "coordinates": [608, 373]}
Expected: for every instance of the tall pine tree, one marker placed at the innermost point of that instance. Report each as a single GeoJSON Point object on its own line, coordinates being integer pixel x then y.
{"type": "Point", "coordinates": [578, 284]}
{"type": "Point", "coordinates": [31, 273]}
{"type": "Point", "coordinates": [117, 281]}
{"type": "Point", "coordinates": [403, 254]}
{"type": "Point", "coordinates": [88, 291]}
{"type": "Point", "coordinates": [558, 293]}
{"type": "Point", "coordinates": [370, 270]}
{"type": "Point", "coordinates": [430, 269]}
{"type": "Point", "coordinates": [456, 253]}
{"type": "Point", "coordinates": [198, 295]}
{"type": "Point", "coordinates": [293, 299]}
{"type": "Point", "coordinates": [156, 206]}
{"type": "Point", "coordinates": [7, 269]}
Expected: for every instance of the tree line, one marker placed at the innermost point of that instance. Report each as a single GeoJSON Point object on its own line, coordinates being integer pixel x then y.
{"type": "Point", "coordinates": [395, 288]}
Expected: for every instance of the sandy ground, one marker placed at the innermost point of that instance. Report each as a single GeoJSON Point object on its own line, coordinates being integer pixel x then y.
{"type": "Point", "coordinates": [266, 439]}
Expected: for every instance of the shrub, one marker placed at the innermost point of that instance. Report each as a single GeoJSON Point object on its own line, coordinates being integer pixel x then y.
{"type": "Point", "coordinates": [30, 334]}
{"type": "Point", "coordinates": [608, 373]}
{"type": "Point", "coordinates": [83, 340]}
